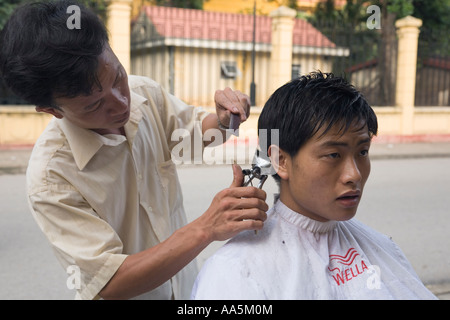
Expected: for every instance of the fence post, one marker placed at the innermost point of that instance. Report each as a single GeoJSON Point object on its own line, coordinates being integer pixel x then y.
{"type": "Point", "coordinates": [281, 55]}
{"type": "Point", "coordinates": [408, 35]}
{"type": "Point", "coordinates": [118, 25]}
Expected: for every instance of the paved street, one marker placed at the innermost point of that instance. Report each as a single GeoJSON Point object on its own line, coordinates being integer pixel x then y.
{"type": "Point", "coordinates": [406, 199]}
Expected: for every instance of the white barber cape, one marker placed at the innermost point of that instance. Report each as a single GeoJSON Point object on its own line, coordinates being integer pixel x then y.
{"type": "Point", "coordinates": [295, 257]}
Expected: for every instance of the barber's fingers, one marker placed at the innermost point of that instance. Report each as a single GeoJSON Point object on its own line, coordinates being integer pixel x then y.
{"type": "Point", "coordinates": [245, 192]}
{"type": "Point", "coordinates": [238, 176]}
{"type": "Point", "coordinates": [241, 100]}
{"type": "Point", "coordinates": [229, 202]}
{"type": "Point", "coordinates": [250, 224]}
{"type": "Point", "coordinates": [231, 101]}
{"type": "Point", "coordinates": [234, 209]}
{"type": "Point", "coordinates": [250, 214]}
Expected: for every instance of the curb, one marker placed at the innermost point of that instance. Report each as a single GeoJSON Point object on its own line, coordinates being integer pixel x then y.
{"type": "Point", "coordinates": [416, 138]}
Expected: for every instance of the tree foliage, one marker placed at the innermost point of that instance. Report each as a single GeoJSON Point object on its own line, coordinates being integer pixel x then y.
{"type": "Point", "coordinates": [6, 8]}
{"type": "Point", "coordinates": [187, 4]}
{"type": "Point", "coordinates": [434, 14]}
{"type": "Point", "coordinates": [381, 44]}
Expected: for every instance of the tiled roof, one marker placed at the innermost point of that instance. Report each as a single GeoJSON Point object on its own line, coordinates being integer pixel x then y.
{"type": "Point", "coordinates": [206, 25]}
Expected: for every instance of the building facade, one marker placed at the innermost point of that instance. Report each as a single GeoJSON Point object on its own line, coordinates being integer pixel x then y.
{"type": "Point", "coordinates": [194, 52]}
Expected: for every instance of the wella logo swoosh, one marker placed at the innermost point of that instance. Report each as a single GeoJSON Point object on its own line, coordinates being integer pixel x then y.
{"type": "Point", "coordinates": [347, 259]}
{"type": "Point", "coordinates": [347, 267]}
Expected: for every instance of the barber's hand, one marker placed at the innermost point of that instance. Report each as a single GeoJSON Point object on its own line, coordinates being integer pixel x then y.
{"type": "Point", "coordinates": [235, 209]}
{"type": "Point", "coordinates": [229, 101]}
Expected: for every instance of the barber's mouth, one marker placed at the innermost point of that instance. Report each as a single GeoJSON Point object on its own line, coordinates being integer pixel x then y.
{"type": "Point", "coordinates": [123, 118]}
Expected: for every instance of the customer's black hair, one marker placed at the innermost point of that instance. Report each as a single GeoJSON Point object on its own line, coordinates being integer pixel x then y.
{"type": "Point", "coordinates": [41, 57]}
{"type": "Point", "coordinates": [302, 107]}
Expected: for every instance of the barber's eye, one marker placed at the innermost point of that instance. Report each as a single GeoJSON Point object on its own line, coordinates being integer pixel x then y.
{"type": "Point", "coordinates": [118, 78]}
{"type": "Point", "coordinates": [117, 81]}
{"type": "Point", "coordinates": [96, 107]}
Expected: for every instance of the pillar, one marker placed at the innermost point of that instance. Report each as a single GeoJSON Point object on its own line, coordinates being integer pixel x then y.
{"type": "Point", "coordinates": [281, 55]}
{"type": "Point", "coordinates": [408, 35]}
{"type": "Point", "coordinates": [118, 25]}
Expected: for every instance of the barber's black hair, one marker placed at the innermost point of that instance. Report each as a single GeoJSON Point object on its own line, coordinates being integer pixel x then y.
{"type": "Point", "coordinates": [42, 58]}
{"type": "Point", "coordinates": [302, 107]}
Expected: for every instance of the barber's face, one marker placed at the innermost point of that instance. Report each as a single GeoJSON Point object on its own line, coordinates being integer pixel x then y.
{"type": "Point", "coordinates": [104, 111]}
{"type": "Point", "coordinates": [326, 178]}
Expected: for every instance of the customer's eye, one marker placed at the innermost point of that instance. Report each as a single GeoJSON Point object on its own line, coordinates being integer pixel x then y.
{"type": "Point", "coordinates": [334, 155]}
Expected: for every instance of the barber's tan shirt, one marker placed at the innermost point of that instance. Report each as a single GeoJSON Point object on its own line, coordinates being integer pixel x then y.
{"type": "Point", "coordinates": [100, 198]}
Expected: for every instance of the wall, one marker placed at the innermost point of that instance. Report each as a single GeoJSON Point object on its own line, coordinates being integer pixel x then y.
{"type": "Point", "coordinates": [432, 122]}
{"type": "Point", "coordinates": [21, 126]}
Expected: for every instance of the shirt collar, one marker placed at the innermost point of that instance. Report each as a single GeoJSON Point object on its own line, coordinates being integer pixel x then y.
{"type": "Point", "coordinates": [135, 116]}
{"type": "Point", "coordinates": [85, 143]}
{"type": "Point", "coordinates": [302, 221]}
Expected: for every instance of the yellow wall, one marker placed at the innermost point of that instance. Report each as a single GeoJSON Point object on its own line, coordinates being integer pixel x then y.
{"type": "Point", "coordinates": [263, 7]}
{"type": "Point", "coordinates": [230, 6]}
{"type": "Point", "coordinates": [22, 125]}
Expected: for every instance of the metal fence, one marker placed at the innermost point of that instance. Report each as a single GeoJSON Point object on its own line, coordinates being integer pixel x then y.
{"type": "Point", "coordinates": [371, 63]}
{"type": "Point", "coordinates": [433, 69]}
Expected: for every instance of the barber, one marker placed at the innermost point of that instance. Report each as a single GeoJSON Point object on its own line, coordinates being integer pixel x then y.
{"type": "Point", "coordinates": [100, 182]}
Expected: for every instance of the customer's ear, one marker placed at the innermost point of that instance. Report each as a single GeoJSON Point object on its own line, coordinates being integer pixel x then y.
{"type": "Point", "coordinates": [279, 159]}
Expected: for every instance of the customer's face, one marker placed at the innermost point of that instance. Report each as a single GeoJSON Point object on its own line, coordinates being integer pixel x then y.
{"type": "Point", "coordinates": [103, 110]}
{"type": "Point", "coordinates": [326, 178]}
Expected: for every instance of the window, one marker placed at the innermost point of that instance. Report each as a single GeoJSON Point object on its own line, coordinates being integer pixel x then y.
{"type": "Point", "coordinates": [229, 70]}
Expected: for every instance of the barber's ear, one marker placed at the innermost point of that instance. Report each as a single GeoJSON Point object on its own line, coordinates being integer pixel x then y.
{"type": "Point", "coordinates": [279, 160]}
{"type": "Point", "coordinates": [53, 111]}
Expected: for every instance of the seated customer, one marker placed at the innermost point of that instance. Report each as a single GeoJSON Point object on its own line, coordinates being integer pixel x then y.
{"type": "Point", "coordinates": [310, 246]}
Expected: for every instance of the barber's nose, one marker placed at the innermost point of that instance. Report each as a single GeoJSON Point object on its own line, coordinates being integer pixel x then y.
{"type": "Point", "coordinates": [119, 103]}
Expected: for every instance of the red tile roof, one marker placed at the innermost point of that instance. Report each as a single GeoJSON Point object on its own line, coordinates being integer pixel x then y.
{"type": "Point", "coordinates": [198, 24]}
